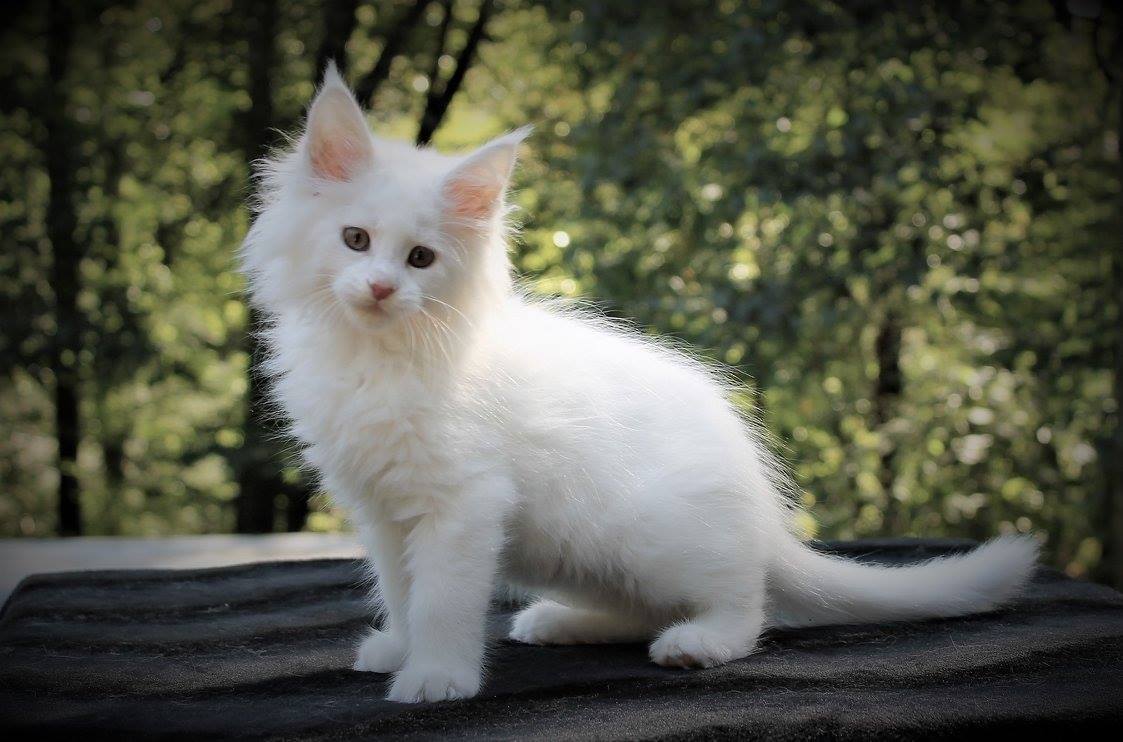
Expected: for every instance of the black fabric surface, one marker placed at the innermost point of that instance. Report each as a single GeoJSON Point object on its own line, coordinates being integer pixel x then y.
{"type": "Point", "coordinates": [264, 650]}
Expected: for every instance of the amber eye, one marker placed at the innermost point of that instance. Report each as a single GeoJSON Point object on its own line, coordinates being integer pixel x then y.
{"type": "Point", "coordinates": [421, 257]}
{"type": "Point", "coordinates": [357, 239]}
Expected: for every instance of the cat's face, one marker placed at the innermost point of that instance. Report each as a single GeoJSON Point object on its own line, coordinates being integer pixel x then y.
{"type": "Point", "coordinates": [382, 250]}
{"type": "Point", "coordinates": [377, 233]}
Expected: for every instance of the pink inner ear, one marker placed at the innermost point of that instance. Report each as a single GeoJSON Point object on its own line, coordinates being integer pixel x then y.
{"type": "Point", "coordinates": [474, 200]}
{"type": "Point", "coordinates": [334, 158]}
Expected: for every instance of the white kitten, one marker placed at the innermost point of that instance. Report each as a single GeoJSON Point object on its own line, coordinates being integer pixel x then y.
{"type": "Point", "coordinates": [475, 434]}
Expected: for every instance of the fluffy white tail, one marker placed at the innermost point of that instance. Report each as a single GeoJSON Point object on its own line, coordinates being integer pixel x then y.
{"type": "Point", "coordinates": [811, 589]}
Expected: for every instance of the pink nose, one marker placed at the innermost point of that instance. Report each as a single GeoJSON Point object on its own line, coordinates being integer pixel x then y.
{"type": "Point", "coordinates": [381, 290]}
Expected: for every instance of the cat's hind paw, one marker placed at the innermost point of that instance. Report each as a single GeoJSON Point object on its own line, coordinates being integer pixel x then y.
{"type": "Point", "coordinates": [545, 622]}
{"type": "Point", "coordinates": [689, 646]}
{"type": "Point", "coordinates": [381, 652]}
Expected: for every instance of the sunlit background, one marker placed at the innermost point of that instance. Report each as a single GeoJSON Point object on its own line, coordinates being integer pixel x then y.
{"type": "Point", "coordinates": [899, 223]}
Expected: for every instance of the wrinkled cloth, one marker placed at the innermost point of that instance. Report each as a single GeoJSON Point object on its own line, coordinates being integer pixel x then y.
{"type": "Point", "coordinates": [265, 650]}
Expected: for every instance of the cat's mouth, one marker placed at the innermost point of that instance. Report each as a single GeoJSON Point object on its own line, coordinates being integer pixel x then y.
{"type": "Point", "coordinates": [366, 318]}
{"type": "Point", "coordinates": [376, 313]}
{"type": "Point", "coordinates": [373, 309]}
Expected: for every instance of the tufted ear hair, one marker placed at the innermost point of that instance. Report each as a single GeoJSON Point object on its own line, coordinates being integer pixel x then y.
{"type": "Point", "coordinates": [337, 144]}
{"type": "Point", "coordinates": [475, 188]}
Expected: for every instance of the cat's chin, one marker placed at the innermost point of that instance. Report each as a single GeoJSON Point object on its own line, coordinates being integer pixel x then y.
{"type": "Point", "coordinates": [374, 319]}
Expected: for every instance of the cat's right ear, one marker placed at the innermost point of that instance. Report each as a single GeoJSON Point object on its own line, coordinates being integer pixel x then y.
{"type": "Point", "coordinates": [336, 143]}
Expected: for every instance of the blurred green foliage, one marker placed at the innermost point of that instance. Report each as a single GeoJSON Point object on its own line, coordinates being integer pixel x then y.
{"type": "Point", "coordinates": [895, 222]}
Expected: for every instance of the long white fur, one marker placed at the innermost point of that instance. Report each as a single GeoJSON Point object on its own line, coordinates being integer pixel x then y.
{"type": "Point", "coordinates": [476, 434]}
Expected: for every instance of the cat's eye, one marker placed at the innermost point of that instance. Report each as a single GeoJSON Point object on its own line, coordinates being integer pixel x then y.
{"type": "Point", "coordinates": [421, 257]}
{"type": "Point", "coordinates": [356, 238]}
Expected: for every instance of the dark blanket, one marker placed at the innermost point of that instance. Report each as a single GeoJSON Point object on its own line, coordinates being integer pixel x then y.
{"type": "Point", "coordinates": [265, 650]}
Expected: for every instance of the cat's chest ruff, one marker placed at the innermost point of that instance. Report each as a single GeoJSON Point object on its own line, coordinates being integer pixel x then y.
{"type": "Point", "coordinates": [389, 437]}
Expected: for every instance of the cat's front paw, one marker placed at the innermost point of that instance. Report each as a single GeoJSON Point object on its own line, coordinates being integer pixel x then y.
{"type": "Point", "coordinates": [381, 652]}
{"type": "Point", "coordinates": [425, 684]}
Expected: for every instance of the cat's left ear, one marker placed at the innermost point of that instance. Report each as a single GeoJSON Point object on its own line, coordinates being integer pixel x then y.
{"type": "Point", "coordinates": [474, 189]}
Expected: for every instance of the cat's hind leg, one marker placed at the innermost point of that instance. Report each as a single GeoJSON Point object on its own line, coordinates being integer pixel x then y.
{"type": "Point", "coordinates": [547, 622]}
{"type": "Point", "coordinates": [716, 635]}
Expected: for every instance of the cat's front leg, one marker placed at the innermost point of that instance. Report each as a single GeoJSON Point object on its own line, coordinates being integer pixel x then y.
{"type": "Point", "coordinates": [452, 558]}
{"type": "Point", "coordinates": [384, 650]}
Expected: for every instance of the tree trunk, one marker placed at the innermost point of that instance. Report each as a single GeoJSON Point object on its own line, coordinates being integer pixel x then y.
{"type": "Point", "coordinates": [1114, 469]}
{"type": "Point", "coordinates": [887, 394]}
{"type": "Point", "coordinates": [297, 506]}
{"type": "Point", "coordinates": [259, 478]}
{"type": "Point", "coordinates": [66, 254]}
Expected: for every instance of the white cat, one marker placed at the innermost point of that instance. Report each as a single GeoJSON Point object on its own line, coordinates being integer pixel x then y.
{"type": "Point", "coordinates": [475, 434]}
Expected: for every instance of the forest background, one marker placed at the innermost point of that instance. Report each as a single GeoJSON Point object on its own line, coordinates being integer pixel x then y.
{"type": "Point", "coordinates": [900, 223]}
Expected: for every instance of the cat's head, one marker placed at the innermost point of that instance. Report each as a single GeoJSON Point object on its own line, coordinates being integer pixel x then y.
{"type": "Point", "coordinates": [375, 233]}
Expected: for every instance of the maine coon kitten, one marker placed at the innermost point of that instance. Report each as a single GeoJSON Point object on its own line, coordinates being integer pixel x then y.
{"type": "Point", "coordinates": [475, 434]}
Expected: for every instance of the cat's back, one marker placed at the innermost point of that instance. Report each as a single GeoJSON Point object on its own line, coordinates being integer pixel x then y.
{"type": "Point", "coordinates": [566, 346]}
{"type": "Point", "coordinates": [578, 381]}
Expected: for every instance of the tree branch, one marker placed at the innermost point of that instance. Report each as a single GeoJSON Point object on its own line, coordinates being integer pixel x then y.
{"type": "Point", "coordinates": [1101, 61]}
{"type": "Point", "coordinates": [442, 39]}
{"type": "Point", "coordinates": [339, 22]}
{"type": "Point", "coordinates": [397, 36]}
{"type": "Point", "coordinates": [179, 58]}
{"type": "Point", "coordinates": [437, 107]}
